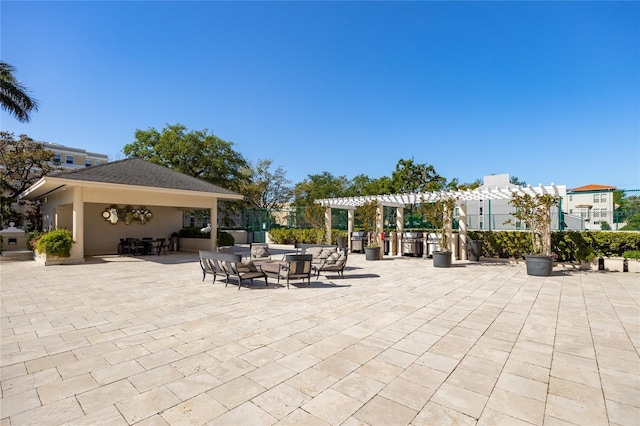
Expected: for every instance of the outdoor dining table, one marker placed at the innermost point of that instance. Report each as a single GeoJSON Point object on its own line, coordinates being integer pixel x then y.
{"type": "Point", "coordinates": [137, 246]}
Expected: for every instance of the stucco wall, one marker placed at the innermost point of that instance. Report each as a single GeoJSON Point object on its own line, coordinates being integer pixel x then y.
{"type": "Point", "coordinates": [101, 237]}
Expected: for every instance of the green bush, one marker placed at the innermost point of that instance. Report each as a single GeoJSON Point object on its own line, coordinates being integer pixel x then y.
{"type": "Point", "coordinates": [631, 254]}
{"type": "Point", "coordinates": [57, 242]}
{"type": "Point", "coordinates": [225, 239]}
{"type": "Point", "coordinates": [566, 246]}
{"type": "Point", "coordinates": [302, 236]}
{"type": "Point", "coordinates": [193, 232]}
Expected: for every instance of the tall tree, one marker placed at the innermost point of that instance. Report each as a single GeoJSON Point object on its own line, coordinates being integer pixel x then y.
{"type": "Point", "coordinates": [319, 186]}
{"type": "Point", "coordinates": [22, 162]}
{"type": "Point", "coordinates": [265, 189]}
{"type": "Point", "coordinates": [14, 95]}
{"type": "Point", "coordinates": [364, 185]}
{"type": "Point", "coordinates": [410, 177]}
{"type": "Point", "coordinates": [197, 153]}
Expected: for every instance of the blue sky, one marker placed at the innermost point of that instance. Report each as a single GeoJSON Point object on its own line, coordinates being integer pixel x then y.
{"type": "Point", "coordinates": [545, 91]}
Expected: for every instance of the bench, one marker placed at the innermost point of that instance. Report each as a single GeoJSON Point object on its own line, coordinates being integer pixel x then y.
{"type": "Point", "coordinates": [229, 265]}
{"type": "Point", "coordinates": [319, 252]}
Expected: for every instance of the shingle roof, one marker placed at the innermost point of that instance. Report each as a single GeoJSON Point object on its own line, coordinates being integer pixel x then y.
{"type": "Point", "coordinates": [593, 187]}
{"type": "Point", "coordinates": [135, 171]}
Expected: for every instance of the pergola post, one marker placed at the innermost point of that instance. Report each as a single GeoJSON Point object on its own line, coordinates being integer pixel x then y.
{"type": "Point", "coordinates": [327, 221]}
{"type": "Point", "coordinates": [213, 214]}
{"type": "Point", "coordinates": [380, 227]}
{"type": "Point", "coordinates": [399, 228]}
{"type": "Point", "coordinates": [462, 223]}
{"type": "Point", "coordinates": [350, 220]}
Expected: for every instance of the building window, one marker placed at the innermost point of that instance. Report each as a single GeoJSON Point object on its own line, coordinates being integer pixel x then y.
{"type": "Point", "coordinates": [87, 163]}
{"type": "Point", "coordinates": [596, 213]}
{"type": "Point", "coordinates": [481, 211]}
{"type": "Point", "coordinates": [69, 159]}
{"type": "Point", "coordinates": [596, 198]}
{"type": "Point", "coordinates": [97, 163]}
{"type": "Point", "coordinates": [570, 197]}
{"type": "Point", "coordinates": [56, 158]}
{"type": "Point", "coordinates": [603, 198]}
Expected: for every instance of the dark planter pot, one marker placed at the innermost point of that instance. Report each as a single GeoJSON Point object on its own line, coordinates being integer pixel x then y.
{"type": "Point", "coordinates": [442, 259]}
{"type": "Point", "coordinates": [372, 253]}
{"type": "Point", "coordinates": [475, 250]}
{"type": "Point", "coordinates": [539, 266]}
{"type": "Point", "coordinates": [342, 242]}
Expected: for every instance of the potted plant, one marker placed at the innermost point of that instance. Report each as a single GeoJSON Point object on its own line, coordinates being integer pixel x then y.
{"type": "Point", "coordinates": [51, 247]}
{"type": "Point", "coordinates": [534, 211]}
{"type": "Point", "coordinates": [474, 250]}
{"type": "Point", "coordinates": [440, 216]}
{"type": "Point", "coordinates": [631, 261]}
{"type": "Point", "coordinates": [368, 213]}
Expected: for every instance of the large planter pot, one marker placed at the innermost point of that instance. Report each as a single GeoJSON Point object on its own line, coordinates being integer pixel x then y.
{"type": "Point", "coordinates": [342, 242]}
{"type": "Point", "coordinates": [442, 259]}
{"type": "Point", "coordinates": [50, 259]}
{"type": "Point", "coordinates": [372, 253]}
{"type": "Point", "coordinates": [539, 266]}
{"type": "Point", "coordinates": [475, 250]}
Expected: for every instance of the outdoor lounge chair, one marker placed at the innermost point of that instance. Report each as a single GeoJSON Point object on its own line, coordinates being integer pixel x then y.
{"type": "Point", "coordinates": [259, 252]}
{"type": "Point", "coordinates": [334, 263]}
{"type": "Point", "coordinates": [210, 265]}
{"type": "Point", "coordinates": [233, 266]}
{"type": "Point", "coordinates": [295, 267]}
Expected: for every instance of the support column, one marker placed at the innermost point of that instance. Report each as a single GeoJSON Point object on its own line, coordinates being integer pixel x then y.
{"type": "Point", "coordinates": [462, 222]}
{"type": "Point", "coordinates": [380, 227]}
{"type": "Point", "coordinates": [327, 221]}
{"type": "Point", "coordinates": [399, 228]}
{"type": "Point", "coordinates": [213, 221]}
{"type": "Point", "coordinates": [350, 220]}
{"type": "Point", "coordinates": [77, 249]}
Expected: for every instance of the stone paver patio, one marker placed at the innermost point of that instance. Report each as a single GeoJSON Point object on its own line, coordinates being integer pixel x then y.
{"type": "Point", "coordinates": [121, 341]}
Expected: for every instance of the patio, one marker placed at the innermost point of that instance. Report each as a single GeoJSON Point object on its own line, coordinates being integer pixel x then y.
{"type": "Point", "coordinates": [123, 340]}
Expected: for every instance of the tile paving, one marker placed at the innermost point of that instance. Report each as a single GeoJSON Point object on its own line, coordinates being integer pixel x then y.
{"type": "Point", "coordinates": [396, 342]}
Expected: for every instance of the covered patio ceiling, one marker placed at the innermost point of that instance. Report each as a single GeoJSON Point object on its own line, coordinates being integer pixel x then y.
{"type": "Point", "coordinates": [400, 200]}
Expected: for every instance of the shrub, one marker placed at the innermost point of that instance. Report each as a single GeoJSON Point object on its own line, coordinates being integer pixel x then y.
{"type": "Point", "coordinates": [193, 232]}
{"type": "Point", "coordinates": [225, 239]}
{"type": "Point", "coordinates": [57, 242]}
{"type": "Point", "coordinates": [302, 236]}
{"type": "Point", "coordinates": [631, 254]}
{"type": "Point", "coordinates": [566, 246]}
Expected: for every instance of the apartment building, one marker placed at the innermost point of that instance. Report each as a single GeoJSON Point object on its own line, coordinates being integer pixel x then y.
{"type": "Point", "coordinates": [592, 204]}
{"type": "Point", "coordinates": [74, 158]}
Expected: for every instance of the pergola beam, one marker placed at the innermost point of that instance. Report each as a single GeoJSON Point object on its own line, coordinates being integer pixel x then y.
{"type": "Point", "coordinates": [400, 200]}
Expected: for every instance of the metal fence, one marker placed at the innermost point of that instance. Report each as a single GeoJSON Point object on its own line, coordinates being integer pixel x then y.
{"type": "Point", "coordinates": [626, 216]}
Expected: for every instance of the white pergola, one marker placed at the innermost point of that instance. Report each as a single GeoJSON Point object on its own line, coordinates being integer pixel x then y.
{"type": "Point", "coordinates": [399, 201]}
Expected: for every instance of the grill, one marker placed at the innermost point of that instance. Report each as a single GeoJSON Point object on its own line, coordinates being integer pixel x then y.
{"type": "Point", "coordinates": [412, 243]}
{"type": "Point", "coordinates": [358, 241]}
{"type": "Point", "coordinates": [433, 244]}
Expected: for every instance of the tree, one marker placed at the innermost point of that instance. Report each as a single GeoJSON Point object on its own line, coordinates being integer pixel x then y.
{"type": "Point", "coordinates": [455, 185]}
{"type": "Point", "coordinates": [364, 185]}
{"type": "Point", "coordinates": [368, 214]}
{"type": "Point", "coordinates": [197, 153]}
{"type": "Point", "coordinates": [515, 181]}
{"type": "Point", "coordinates": [409, 177]}
{"type": "Point", "coordinates": [22, 163]}
{"type": "Point", "coordinates": [319, 186]}
{"type": "Point", "coordinates": [534, 211]}
{"type": "Point", "coordinates": [264, 189]}
{"type": "Point", "coordinates": [14, 95]}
